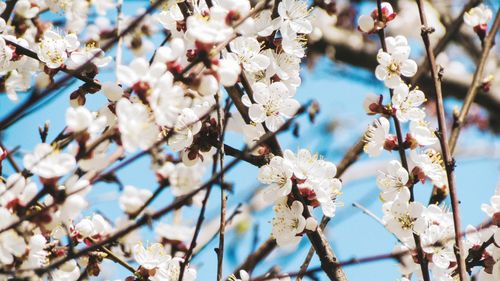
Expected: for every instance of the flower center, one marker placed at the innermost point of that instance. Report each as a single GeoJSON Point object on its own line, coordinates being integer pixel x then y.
{"type": "Point", "coordinates": [406, 221]}
{"type": "Point", "coordinates": [393, 68]}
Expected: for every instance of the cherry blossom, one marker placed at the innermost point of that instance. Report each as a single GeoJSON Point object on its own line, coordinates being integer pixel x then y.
{"type": "Point", "coordinates": [430, 164]}
{"type": "Point", "coordinates": [376, 136]}
{"type": "Point", "coordinates": [371, 23]}
{"type": "Point", "coordinates": [137, 131]}
{"type": "Point", "coordinates": [78, 119]}
{"type": "Point", "coordinates": [48, 163]}
{"type": "Point", "coordinates": [247, 50]}
{"type": "Point", "coordinates": [406, 103]}
{"type": "Point", "coordinates": [395, 62]}
{"type": "Point", "coordinates": [53, 48]}
{"type": "Point", "coordinates": [294, 15]}
{"type": "Point", "coordinates": [442, 255]}
{"type": "Point", "coordinates": [184, 179]}
{"type": "Point", "coordinates": [288, 222]}
{"type": "Point", "coordinates": [420, 131]}
{"type": "Point", "coordinates": [277, 174]}
{"type": "Point", "coordinates": [478, 17]}
{"type": "Point", "coordinates": [151, 257]}
{"type": "Point", "coordinates": [272, 104]}
{"type": "Point", "coordinates": [5, 54]}
{"type": "Point", "coordinates": [393, 182]}
{"type": "Point", "coordinates": [186, 126]}
{"type": "Point", "coordinates": [132, 198]}
{"type": "Point", "coordinates": [404, 218]}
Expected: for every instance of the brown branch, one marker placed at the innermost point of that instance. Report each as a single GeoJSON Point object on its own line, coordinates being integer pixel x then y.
{"type": "Point", "coordinates": [442, 135]}
{"type": "Point", "coordinates": [451, 31]}
{"type": "Point", "coordinates": [475, 85]}
{"type": "Point", "coordinates": [327, 258]}
{"type": "Point", "coordinates": [221, 128]}
{"type": "Point", "coordinates": [29, 53]}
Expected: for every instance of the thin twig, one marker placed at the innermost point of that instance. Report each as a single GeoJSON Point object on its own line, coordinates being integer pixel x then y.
{"type": "Point", "coordinates": [445, 149]}
{"type": "Point", "coordinates": [489, 41]}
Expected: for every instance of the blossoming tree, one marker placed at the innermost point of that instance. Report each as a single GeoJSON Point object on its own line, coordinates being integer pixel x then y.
{"type": "Point", "coordinates": [179, 81]}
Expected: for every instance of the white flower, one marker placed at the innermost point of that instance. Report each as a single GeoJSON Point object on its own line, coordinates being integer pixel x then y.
{"type": "Point", "coordinates": [326, 187]}
{"type": "Point", "coordinates": [17, 188]}
{"type": "Point", "coordinates": [102, 6]}
{"type": "Point", "coordinates": [139, 70]}
{"type": "Point", "coordinates": [187, 125]}
{"type": "Point", "coordinates": [421, 132]}
{"type": "Point", "coordinates": [184, 179]}
{"type": "Point", "coordinates": [78, 58]}
{"type": "Point", "coordinates": [37, 256]}
{"type": "Point", "coordinates": [478, 16]}
{"type": "Point", "coordinates": [85, 228]}
{"type": "Point", "coordinates": [72, 207]}
{"type": "Point", "coordinates": [272, 104]}
{"type": "Point", "coordinates": [170, 271]}
{"type": "Point", "coordinates": [137, 131]}
{"type": "Point", "coordinates": [112, 91]}
{"type": "Point", "coordinates": [132, 199]}
{"type": "Point", "coordinates": [229, 71]}
{"type": "Point", "coordinates": [53, 48]}
{"type": "Point", "coordinates": [393, 182]}
{"type": "Point", "coordinates": [78, 119]}
{"type": "Point", "coordinates": [152, 257]}
{"type": "Point", "coordinates": [175, 232]}
{"type": "Point", "coordinates": [433, 243]}
{"type": "Point", "coordinates": [430, 165]}
{"type": "Point", "coordinates": [494, 206]}
{"type": "Point", "coordinates": [403, 218]}
{"type": "Point", "coordinates": [26, 10]}
{"type": "Point", "coordinates": [395, 62]}
{"type": "Point", "coordinates": [211, 31]}
{"type": "Point", "coordinates": [175, 49]}
{"type": "Point", "coordinates": [375, 136]}
{"type": "Point", "coordinates": [5, 54]}
{"type": "Point", "coordinates": [69, 271]}
{"type": "Point", "coordinates": [294, 46]}
{"type": "Point", "coordinates": [294, 15]}
{"type": "Point", "coordinates": [208, 85]}
{"type": "Point", "coordinates": [11, 245]}
{"type": "Point", "coordinates": [48, 163]}
{"type": "Point", "coordinates": [247, 50]}
{"type": "Point", "coordinates": [284, 65]}
{"type": "Point", "coordinates": [407, 103]}
{"type": "Point", "coordinates": [288, 222]}
{"type": "Point", "coordinates": [277, 174]}
{"type": "Point", "coordinates": [167, 101]}
{"type": "Point", "coordinates": [264, 25]}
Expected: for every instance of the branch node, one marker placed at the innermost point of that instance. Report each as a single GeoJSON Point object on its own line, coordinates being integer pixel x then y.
{"type": "Point", "coordinates": [426, 30]}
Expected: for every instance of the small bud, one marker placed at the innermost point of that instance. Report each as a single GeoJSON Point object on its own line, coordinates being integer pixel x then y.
{"type": "Point", "coordinates": [391, 142]}
{"type": "Point", "coordinates": [366, 24]}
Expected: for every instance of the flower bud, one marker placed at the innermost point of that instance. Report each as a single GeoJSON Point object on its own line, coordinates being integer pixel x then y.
{"type": "Point", "coordinates": [85, 228]}
{"type": "Point", "coordinates": [208, 85]}
{"type": "Point", "coordinates": [366, 23]}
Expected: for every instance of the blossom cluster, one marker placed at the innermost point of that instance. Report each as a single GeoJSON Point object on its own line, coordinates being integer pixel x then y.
{"type": "Point", "coordinates": [163, 105]}
{"type": "Point", "coordinates": [403, 216]}
{"type": "Point", "coordinates": [315, 181]}
{"type": "Point", "coordinates": [174, 104]}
